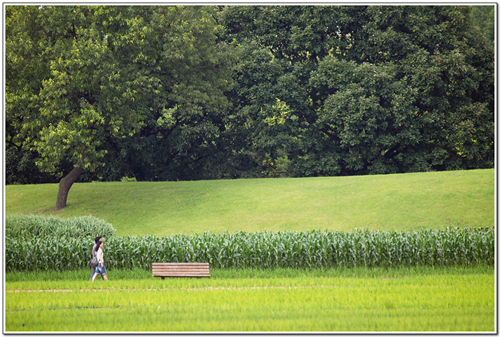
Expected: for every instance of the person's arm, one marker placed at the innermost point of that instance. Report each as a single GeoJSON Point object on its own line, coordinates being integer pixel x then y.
{"type": "Point", "coordinates": [100, 256]}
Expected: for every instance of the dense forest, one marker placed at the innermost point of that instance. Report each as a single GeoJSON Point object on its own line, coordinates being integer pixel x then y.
{"type": "Point", "coordinates": [98, 93]}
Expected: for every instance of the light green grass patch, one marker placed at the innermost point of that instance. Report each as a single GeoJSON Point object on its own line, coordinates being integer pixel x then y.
{"type": "Point", "coordinates": [437, 300]}
{"type": "Point", "coordinates": [380, 202]}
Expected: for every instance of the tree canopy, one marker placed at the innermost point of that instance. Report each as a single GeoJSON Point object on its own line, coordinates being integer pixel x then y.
{"type": "Point", "coordinates": [210, 92]}
{"type": "Point", "coordinates": [368, 89]}
{"type": "Point", "coordinates": [110, 74]}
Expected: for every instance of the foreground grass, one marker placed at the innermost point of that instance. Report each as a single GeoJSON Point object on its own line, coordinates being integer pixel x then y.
{"type": "Point", "coordinates": [361, 299]}
{"type": "Point", "coordinates": [382, 202]}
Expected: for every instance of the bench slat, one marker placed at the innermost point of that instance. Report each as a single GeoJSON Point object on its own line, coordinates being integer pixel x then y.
{"type": "Point", "coordinates": [182, 275]}
{"type": "Point", "coordinates": [165, 271]}
{"type": "Point", "coordinates": [180, 264]}
{"type": "Point", "coordinates": [177, 268]}
{"type": "Point", "coordinates": [180, 270]}
{"type": "Point", "coordinates": [180, 267]}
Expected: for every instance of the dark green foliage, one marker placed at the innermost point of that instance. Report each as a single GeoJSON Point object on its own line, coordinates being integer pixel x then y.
{"type": "Point", "coordinates": [30, 227]}
{"type": "Point", "coordinates": [20, 168]}
{"type": "Point", "coordinates": [116, 90]}
{"type": "Point", "coordinates": [312, 249]}
{"type": "Point", "coordinates": [367, 89]}
{"type": "Point", "coordinates": [210, 92]}
{"type": "Point", "coordinates": [483, 17]}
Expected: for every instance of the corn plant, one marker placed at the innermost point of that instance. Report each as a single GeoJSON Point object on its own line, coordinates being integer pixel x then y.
{"type": "Point", "coordinates": [311, 249]}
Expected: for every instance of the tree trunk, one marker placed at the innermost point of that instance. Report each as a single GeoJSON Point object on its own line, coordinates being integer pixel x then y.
{"type": "Point", "coordinates": [64, 186]}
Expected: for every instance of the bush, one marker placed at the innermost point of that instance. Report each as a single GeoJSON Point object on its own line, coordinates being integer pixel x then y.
{"type": "Point", "coordinates": [38, 226]}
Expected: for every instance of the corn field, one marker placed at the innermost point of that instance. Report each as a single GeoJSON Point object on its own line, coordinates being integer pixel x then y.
{"type": "Point", "coordinates": [311, 249]}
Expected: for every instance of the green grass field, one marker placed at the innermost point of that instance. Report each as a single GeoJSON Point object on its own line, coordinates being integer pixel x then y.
{"type": "Point", "coordinates": [415, 299]}
{"type": "Point", "coordinates": [380, 202]}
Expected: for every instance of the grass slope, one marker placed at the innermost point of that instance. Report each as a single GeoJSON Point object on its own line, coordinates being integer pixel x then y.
{"type": "Point", "coordinates": [379, 202]}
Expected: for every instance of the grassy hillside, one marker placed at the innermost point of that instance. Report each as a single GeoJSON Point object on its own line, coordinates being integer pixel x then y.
{"type": "Point", "coordinates": [381, 202]}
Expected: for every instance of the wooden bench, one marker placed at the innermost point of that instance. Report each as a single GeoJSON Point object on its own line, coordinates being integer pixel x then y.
{"type": "Point", "coordinates": [180, 270]}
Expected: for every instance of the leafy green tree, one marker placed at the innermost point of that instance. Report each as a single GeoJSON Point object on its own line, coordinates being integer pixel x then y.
{"type": "Point", "coordinates": [27, 65]}
{"type": "Point", "coordinates": [183, 123]}
{"type": "Point", "coordinates": [483, 17]}
{"type": "Point", "coordinates": [367, 89]}
{"type": "Point", "coordinates": [437, 112]}
{"type": "Point", "coordinates": [152, 74]}
{"type": "Point", "coordinates": [147, 91]}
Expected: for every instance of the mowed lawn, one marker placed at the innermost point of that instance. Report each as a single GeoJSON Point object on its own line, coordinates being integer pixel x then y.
{"type": "Point", "coordinates": [441, 299]}
{"type": "Point", "coordinates": [380, 202]}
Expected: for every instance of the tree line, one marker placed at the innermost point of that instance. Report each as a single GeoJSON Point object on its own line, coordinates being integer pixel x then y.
{"type": "Point", "coordinates": [216, 92]}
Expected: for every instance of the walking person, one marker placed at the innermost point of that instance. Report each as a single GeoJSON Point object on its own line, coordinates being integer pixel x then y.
{"type": "Point", "coordinates": [98, 242]}
{"type": "Point", "coordinates": [100, 269]}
